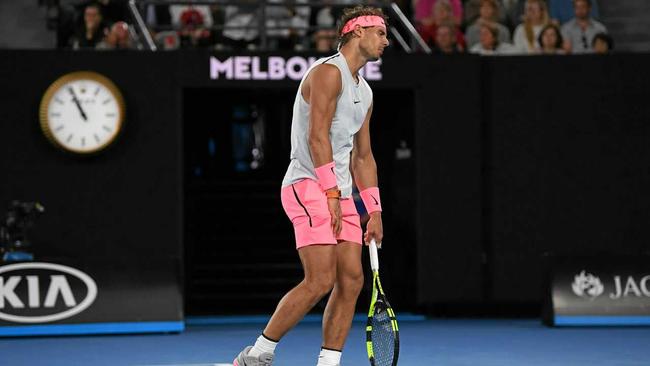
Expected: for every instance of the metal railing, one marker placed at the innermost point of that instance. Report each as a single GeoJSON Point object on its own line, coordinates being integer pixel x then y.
{"type": "Point", "coordinates": [400, 28]}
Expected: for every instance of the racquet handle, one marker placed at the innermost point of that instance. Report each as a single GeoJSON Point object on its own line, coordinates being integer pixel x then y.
{"type": "Point", "coordinates": [374, 258]}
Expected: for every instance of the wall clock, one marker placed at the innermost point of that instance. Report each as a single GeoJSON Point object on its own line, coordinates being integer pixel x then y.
{"type": "Point", "coordinates": [82, 112]}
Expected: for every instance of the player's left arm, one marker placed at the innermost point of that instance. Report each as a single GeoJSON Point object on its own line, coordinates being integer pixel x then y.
{"type": "Point", "coordinates": [364, 171]}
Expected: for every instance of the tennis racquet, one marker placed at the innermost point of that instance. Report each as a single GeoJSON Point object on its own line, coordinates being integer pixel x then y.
{"type": "Point", "coordinates": [382, 333]}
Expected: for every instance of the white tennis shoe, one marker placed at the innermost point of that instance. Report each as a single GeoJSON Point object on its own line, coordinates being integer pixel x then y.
{"type": "Point", "coordinates": [243, 359]}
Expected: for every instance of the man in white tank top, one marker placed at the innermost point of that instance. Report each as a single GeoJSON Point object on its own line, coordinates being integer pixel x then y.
{"type": "Point", "coordinates": [330, 145]}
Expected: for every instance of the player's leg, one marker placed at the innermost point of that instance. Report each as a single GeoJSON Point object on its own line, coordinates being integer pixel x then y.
{"type": "Point", "coordinates": [339, 311]}
{"type": "Point", "coordinates": [319, 264]}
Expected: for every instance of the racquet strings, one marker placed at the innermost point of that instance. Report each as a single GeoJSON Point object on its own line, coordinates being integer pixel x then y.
{"type": "Point", "coordinates": [383, 337]}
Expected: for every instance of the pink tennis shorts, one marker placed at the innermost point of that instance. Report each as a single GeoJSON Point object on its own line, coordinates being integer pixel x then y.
{"type": "Point", "coordinates": [306, 205]}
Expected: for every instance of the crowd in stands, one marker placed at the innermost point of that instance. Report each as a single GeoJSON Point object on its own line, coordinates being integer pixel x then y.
{"type": "Point", "coordinates": [484, 27]}
{"type": "Point", "coordinates": [509, 27]}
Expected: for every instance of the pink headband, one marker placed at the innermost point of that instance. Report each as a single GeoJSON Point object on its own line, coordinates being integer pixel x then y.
{"type": "Point", "coordinates": [364, 21]}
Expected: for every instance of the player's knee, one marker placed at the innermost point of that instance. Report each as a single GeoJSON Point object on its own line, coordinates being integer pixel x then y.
{"type": "Point", "coordinates": [352, 283]}
{"type": "Point", "coordinates": [322, 284]}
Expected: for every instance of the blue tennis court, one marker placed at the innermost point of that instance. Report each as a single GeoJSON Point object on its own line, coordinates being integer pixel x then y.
{"type": "Point", "coordinates": [178, 177]}
{"type": "Point", "coordinates": [445, 342]}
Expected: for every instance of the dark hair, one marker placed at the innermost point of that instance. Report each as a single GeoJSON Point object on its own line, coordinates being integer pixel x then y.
{"type": "Point", "coordinates": [558, 33]}
{"type": "Point", "coordinates": [351, 13]}
{"type": "Point", "coordinates": [93, 4]}
{"type": "Point", "coordinates": [492, 3]}
{"type": "Point", "coordinates": [493, 29]}
{"type": "Point", "coordinates": [605, 38]}
{"type": "Point", "coordinates": [587, 1]}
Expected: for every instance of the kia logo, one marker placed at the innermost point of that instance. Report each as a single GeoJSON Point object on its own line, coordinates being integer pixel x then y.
{"type": "Point", "coordinates": [43, 292]}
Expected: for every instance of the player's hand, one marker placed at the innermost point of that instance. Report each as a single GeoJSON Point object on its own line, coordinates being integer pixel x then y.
{"type": "Point", "coordinates": [374, 229]}
{"type": "Point", "coordinates": [334, 205]}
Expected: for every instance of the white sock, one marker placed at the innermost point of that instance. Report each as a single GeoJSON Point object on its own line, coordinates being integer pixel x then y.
{"type": "Point", "coordinates": [329, 357]}
{"type": "Point", "coordinates": [262, 345]}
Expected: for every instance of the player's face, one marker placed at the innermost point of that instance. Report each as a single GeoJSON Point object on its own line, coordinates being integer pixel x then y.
{"type": "Point", "coordinates": [373, 42]}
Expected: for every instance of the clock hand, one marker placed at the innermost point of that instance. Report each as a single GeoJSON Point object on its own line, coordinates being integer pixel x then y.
{"type": "Point", "coordinates": [76, 101]}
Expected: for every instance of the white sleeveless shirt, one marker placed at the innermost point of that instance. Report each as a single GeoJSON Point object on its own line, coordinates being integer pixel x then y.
{"type": "Point", "coordinates": [351, 109]}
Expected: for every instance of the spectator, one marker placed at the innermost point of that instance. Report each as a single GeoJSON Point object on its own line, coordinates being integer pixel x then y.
{"type": "Point", "coordinates": [514, 11]}
{"type": "Point", "coordinates": [325, 38]}
{"type": "Point", "coordinates": [602, 43]}
{"type": "Point", "coordinates": [287, 24]}
{"type": "Point", "coordinates": [325, 41]}
{"type": "Point", "coordinates": [424, 13]}
{"type": "Point", "coordinates": [177, 13]}
{"type": "Point", "coordinates": [489, 43]}
{"type": "Point", "coordinates": [193, 27]}
{"type": "Point", "coordinates": [510, 11]}
{"type": "Point", "coordinates": [562, 10]}
{"type": "Point", "coordinates": [526, 33]}
{"type": "Point", "coordinates": [118, 37]}
{"type": "Point", "coordinates": [167, 40]}
{"type": "Point", "coordinates": [92, 30]}
{"type": "Point", "coordinates": [446, 40]}
{"type": "Point", "coordinates": [550, 40]}
{"type": "Point", "coordinates": [242, 25]}
{"type": "Point", "coordinates": [472, 11]}
{"type": "Point", "coordinates": [488, 14]}
{"type": "Point", "coordinates": [442, 14]}
{"type": "Point", "coordinates": [579, 32]}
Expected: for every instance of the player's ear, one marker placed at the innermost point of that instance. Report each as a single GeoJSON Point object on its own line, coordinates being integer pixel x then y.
{"type": "Point", "coordinates": [358, 30]}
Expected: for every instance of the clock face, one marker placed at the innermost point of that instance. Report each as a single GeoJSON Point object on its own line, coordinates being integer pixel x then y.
{"type": "Point", "coordinates": [82, 112]}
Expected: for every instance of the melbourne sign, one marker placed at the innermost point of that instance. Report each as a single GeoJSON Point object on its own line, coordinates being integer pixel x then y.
{"type": "Point", "coordinates": [274, 68]}
{"type": "Point", "coordinates": [43, 292]}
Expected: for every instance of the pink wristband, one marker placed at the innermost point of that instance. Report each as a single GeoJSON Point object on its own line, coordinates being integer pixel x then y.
{"type": "Point", "coordinates": [326, 176]}
{"type": "Point", "coordinates": [371, 199]}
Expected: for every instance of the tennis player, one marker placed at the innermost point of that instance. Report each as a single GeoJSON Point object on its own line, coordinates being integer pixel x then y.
{"type": "Point", "coordinates": [330, 144]}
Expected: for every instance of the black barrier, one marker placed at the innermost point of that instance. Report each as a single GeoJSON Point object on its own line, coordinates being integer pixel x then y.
{"type": "Point", "coordinates": [107, 248]}
{"type": "Point", "coordinates": [567, 159]}
{"type": "Point", "coordinates": [588, 291]}
{"type": "Point", "coordinates": [448, 195]}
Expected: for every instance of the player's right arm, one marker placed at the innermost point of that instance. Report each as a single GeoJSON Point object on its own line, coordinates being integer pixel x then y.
{"type": "Point", "coordinates": [321, 92]}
